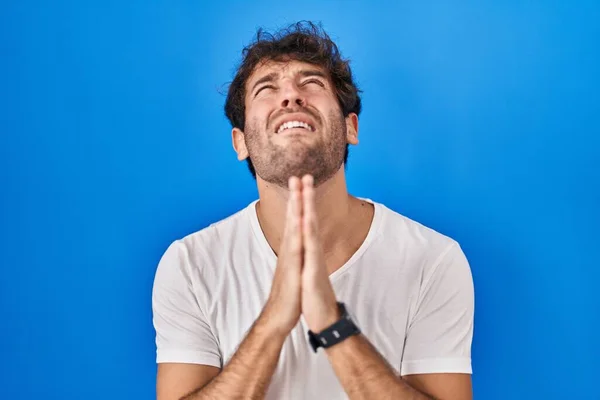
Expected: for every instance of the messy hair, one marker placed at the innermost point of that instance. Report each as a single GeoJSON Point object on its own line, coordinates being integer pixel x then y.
{"type": "Point", "coordinates": [303, 41]}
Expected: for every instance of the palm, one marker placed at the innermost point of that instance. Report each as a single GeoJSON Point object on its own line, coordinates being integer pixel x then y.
{"type": "Point", "coordinates": [318, 298]}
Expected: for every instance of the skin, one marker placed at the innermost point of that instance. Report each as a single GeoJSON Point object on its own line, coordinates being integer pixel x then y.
{"type": "Point", "coordinates": [277, 157]}
{"type": "Point", "coordinates": [314, 226]}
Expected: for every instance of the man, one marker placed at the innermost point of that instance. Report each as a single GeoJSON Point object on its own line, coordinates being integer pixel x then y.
{"type": "Point", "coordinates": [309, 292]}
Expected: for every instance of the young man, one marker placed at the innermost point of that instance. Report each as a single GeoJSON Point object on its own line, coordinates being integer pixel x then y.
{"type": "Point", "coordinates": [309, 292]}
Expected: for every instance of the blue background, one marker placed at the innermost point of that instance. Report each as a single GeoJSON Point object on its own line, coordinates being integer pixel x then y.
{"type": "Point", "coordinates": [481, 120]}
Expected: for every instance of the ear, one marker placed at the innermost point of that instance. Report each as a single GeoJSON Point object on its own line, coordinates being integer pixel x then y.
{"type": "Point", "coordinates": [352, 128]}
{"type": "Point", "coordinates": [239, 143]}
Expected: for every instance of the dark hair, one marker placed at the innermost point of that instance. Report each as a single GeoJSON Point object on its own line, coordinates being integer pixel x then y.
{"type": "Point", "coordinates": [302, 41]}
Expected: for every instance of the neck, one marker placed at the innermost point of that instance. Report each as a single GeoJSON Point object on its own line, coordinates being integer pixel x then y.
{"type": "Point", "coordinates": [333, 203]}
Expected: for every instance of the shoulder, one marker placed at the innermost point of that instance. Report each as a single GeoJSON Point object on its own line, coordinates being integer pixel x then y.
{"type": "Point", "coordinates": [197, 251]}
{"type": "Point", "coordinates": [219, 234]}
{"type": "Point", "coordinates": [411, 234]}
{"type": "Point", "coordinates": [421, 249]}
{"type": "Point", "coordinates": [427, 255]}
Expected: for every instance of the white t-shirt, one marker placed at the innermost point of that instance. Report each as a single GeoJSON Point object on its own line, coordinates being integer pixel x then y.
{"type": "Point", "coordinates": [408, 287]}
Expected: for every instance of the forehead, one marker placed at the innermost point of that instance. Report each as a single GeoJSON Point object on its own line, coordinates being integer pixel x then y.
{"type": "Point", "coordinates": [288, 68]}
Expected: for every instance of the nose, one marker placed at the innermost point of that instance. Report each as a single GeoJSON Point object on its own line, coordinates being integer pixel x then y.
{"type": "Point", "coordinates": [292, 96]}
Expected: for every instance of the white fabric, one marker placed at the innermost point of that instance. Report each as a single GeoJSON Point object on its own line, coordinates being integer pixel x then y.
{"type": "Point", "coordinates": [409, 288]}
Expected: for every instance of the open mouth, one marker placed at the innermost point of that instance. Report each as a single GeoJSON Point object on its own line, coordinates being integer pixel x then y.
{"type": "Point", "coordinates": [294, 124]}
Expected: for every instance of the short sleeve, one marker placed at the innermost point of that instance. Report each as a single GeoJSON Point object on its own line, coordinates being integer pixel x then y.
{"type": "Point", "coordinates": [183, 334]}
{"type": "Point", "coordinates": [440, 333]}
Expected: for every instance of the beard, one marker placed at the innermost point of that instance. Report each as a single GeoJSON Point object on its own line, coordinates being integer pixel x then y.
{"type": "Point", "coordinates": [320, 157]}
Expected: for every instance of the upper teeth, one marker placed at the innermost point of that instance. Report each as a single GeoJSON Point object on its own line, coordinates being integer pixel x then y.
{"type": "Point", "coordinates": [294, 124]}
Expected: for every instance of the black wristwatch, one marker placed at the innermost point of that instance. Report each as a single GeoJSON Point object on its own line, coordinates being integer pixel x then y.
{"type": "Point", "coordinates": [339, 331]}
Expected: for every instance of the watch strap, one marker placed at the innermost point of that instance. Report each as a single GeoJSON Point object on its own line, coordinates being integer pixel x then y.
{"type": "Point", "coordinates": [336, 333]}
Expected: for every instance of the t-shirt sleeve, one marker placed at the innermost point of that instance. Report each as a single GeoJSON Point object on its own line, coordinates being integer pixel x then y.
{"type": "Point", "coordinates": [183, 334]}
{"type": "Point", "coordinates": [440, 333]}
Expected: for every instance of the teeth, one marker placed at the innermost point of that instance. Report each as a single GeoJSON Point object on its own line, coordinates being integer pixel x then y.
{"type": "Point", "coordinates": [294, 124]}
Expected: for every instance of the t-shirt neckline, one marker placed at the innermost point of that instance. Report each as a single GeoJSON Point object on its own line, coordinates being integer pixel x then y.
{"type": "Point", "coordinates": [270, 254]}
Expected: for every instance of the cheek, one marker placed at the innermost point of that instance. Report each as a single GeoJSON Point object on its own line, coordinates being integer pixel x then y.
{"type": "Point", "coordinates": [258, 114]}
{"type": "Point", "coordinates": [255, 131]}
{"type": "Point", "coordinates": [328, 107]}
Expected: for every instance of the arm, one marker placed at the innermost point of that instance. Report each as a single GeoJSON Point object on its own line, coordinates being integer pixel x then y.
{"type": "Point", "coordinates": [249, 372]}
{"type": "Point", "coordinates": [438, 342]}
{"type": "Point", "coordinates": [365, 374]}
{"type": "Point", "coordinates": [184, 336]}
{"type": "Point", "coordinates": [174, 380]}
{"type": "Point", "coordinates": [187, 352]}
{"type": "Point", "coordinates": [247, 375]}
{"type": "Point", "coordinates": [436, 360]}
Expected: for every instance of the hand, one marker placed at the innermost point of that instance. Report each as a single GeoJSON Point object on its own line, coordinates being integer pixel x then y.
{"type": "Point", "coordinates": [319, 305]}
{"type": "Point", "coordinates": [283, 308]}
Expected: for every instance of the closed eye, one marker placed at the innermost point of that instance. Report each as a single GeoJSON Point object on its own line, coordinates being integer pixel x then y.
{"type": "Point", "coordinates": [318, 82]}
{"type": "Point", "coordinates": [264, 87]}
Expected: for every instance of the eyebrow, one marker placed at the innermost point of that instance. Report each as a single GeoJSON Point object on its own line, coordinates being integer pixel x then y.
{"type": "Point", "coordinates": [303, 73]}
{"type": "Point", "coordinates": [312, 72]}
{"type": "Point", "coordinates": [267, 78]}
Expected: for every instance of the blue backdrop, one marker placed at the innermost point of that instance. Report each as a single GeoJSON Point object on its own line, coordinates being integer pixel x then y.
{"type": "Point", "coordinates": [481, 120]}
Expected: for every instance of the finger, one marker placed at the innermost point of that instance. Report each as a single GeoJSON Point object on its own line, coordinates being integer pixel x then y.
{"type": "Point", "coordinates": [291, 207]}
{"type": "Point", "coordinates": [293, 235]}
{"type": "Point", "coordinates": [310, 227]}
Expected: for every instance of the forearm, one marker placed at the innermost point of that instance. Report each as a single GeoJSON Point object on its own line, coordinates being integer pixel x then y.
{"type": "Point", "coordinates": [365, 374]}
{"type": "Point", "coordinates": [249, 372]}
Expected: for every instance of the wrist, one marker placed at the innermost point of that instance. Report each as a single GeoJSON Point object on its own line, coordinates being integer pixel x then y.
{"type": "Point", "coordinates": [328, 318]}
{"type": "Point", "coordinates": [343, 328]}
{"type": "Point", "coordinates": [268, 326]}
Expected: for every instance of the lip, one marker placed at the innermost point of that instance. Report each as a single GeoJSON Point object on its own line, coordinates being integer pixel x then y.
{"type": "Point", "coordinates": [295, 131]}
{"type": "Point", "coordinates": [295, 117]}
